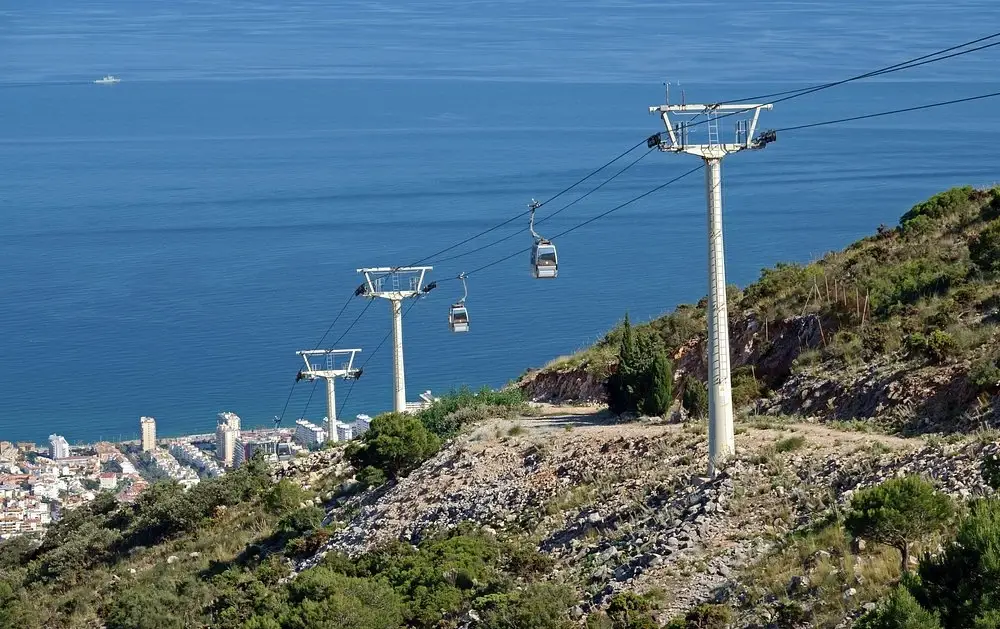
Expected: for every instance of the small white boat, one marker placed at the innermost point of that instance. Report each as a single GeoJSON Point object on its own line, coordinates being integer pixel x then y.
{"type": "Point", "coordinates": [108, 80]}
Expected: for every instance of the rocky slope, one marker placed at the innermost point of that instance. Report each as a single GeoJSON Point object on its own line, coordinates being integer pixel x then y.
{"type": "Point", "coordinates": [622, 507]}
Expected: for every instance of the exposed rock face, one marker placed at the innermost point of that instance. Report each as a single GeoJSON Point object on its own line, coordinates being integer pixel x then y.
{"type": "Point", "coordinates": [572, 386]}
{"type": "Point", "coordinates": [909, 395]}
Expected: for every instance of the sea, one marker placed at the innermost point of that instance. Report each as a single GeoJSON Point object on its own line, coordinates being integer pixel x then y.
{"type": "Point", "coordinates": [167, 243]}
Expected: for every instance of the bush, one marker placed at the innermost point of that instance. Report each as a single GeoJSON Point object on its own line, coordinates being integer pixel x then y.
{"type": "Point", "coordinates": [899, 611]}
{"type": "Point", "coordinates": [897, 513]}
{"type": "Point", "coordinates": [881, 338]}
{"type": "Point", "coordinates": [371, 477]}
{"type": "Point", "coordinates": [845, 346]}
{"type": "Point", "coordinates": [909, 281]}
{"type": "Point", "coordinates": [985, 374]}
{"type": "Point", "coordinates": [984, 249]}
{"type": "Point", "coordinates": [446, 416]}
{"type": "Point", "coordinates": [695, 398]}
{"type": "Point", "coordinates": [326, 600]}
{"type": "Point", "coordinates": [746, 387]}
{"type": "Point", "coordinates": [962, 584]}
{"type": "Point", "coordinates": [790, 443]}
{"type": "Point", "coordinates": [628, 610]}
{"type": "Point", "coordinates": [536, 606]}
{"type": "Point", "coordinates": [284, 497]}
{"type": "Point", "coordinates": [940, 205]}
{"type": "Point", "coordinates": [395, 443]}
{"type": "Point", "coordinates": [704, 616]}
{"type": "Point", "coordinates": [938, 346]}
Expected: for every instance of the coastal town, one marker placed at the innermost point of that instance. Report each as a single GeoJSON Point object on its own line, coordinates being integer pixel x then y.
{"type": "Point", "coordinates": [38, 484]}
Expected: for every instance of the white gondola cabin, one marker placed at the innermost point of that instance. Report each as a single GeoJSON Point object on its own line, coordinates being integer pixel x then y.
{"type": "Point", "coordinates": [458, 318]}
{"type": "Point", "coordinates": [544, 260]}
{"type": "Point", "coordinates": [458, 314]}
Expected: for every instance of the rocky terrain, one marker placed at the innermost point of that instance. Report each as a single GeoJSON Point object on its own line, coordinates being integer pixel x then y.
{"type": "Point", "coordinates": [624, 506]}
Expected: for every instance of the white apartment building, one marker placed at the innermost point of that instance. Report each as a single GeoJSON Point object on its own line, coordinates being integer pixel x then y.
{"type": "Point", "coordinates": [147, 426]}
{"type": "Point", "coordinates": [58, 447]}
{"type": "Point", "coordinates": [308, 433]}
{"type": "Point", "coordinates": [227, 433]}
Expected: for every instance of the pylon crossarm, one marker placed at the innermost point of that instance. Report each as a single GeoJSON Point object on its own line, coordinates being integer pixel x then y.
{"type": "Point", "coordinates": [714, 148]}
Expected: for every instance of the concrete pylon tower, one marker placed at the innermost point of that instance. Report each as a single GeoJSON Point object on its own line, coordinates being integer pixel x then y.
{"type": "Point", "coordinates": [323, 363]}
{"type": "Point", "coordinates": [396, 284]}
{"type": "Point", "coordinates": [721, 437]}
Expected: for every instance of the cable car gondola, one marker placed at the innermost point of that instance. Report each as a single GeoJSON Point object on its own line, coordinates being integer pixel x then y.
{"type": "Point", "coordinates": [458, 314]}
{"type": "Point", "coordinates": [544, 259]}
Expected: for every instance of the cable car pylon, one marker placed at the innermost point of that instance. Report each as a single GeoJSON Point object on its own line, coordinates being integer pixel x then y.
{"type": "Point", "coordinates": [328, 371]}
{"type": "Point", "coordinates": [721, 436]}
{"type": "Point", "coordinates": [544, 259]}
{"type": "Point", "coordinates": [458, 314]}
{"type": "Point", "coordinates": [403, 283]}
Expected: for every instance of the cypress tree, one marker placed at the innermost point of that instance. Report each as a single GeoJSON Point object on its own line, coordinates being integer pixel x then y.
{"type": "Point", "coordinates": [618, 383]}
{"type": "Point", "coordinates": [660, 393]}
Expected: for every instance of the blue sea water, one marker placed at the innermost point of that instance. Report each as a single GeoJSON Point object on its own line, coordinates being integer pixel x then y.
{"type": "Point", "coordinates": [167, 243]}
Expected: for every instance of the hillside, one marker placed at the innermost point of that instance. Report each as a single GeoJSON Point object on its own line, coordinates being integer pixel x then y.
{"type": "Point", "coordinates": [485, 511]}
{"type": "Point", "coordinates": [897, 329]}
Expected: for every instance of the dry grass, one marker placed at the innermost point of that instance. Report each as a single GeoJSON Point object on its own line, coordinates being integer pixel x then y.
{"type": "Point", "coordinates": [823, 557]}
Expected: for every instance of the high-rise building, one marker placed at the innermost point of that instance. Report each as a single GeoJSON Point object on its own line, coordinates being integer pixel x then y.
{"type": "Point", "coordinates": [308, 433]}
{"type": "Point", "coordinates": [345, 432]}
{"type": "Point", "coordinates": [227, 433]}
{"type": "Point", "coordinates": [362, 424]}
{"type": "Point", "coordinates": [58, 447]}
{"type": "Point", "coordinates": [266, 447]}
{"type": "Point", "coordinates": [148, 429]}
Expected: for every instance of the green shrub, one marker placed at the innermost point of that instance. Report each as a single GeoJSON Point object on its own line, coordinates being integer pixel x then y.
{"type": "Point", "coordinates": [984, 249]}
{"type": "Point", "coordinates": [985, 374]}
{"type": "Point", "coordinates": [457, 409]}
{"type": "Point", "coordinates": [705, 616]}
{"type": "Point", "coordinates": [806, 358]}
{"type": "Point", "coordinates": [371, 476]}
{"type": "Point", "coordinates": [323, 599]}
{"type": "Point", "coordinates": [940, 205]}
{"type": "Point", "coordinates": [395, 443]}
{"type": "Point", "coordinates": [284, 497]}
{"type": "Point", "coordinates": [789, 444]}
{"type": "Point", "coordinates": [746, 387]}
{"type": "Point", "coordinates": [678, 327]}
{"type": "Point", "coordinates": [938, 346]}
{"type": "Point", "coordinates": [898, 512]}
{"type": "Point", "coordinates": [536, 606]}
{"type": "Point", "coordinates": [961, 585]}
{"type": "Point", "coordinates": [845, 346]}
{"type": "Point", "coordinates": [917, 225]}
{"type": "Point", "coordinates": [990, 470]}
{"type": "Point", "coordinates": [907, 282]}
{"type": "Point", "coordinates": [695, 398]}
{"type": "Point", "coordinates": [991, 210]}
{"type": "Point", "coordinates": [301, 520]}
{"type": "Point", "coordinates": [899, 611]}
{"type": "Point", "coordinates": [879, 338]}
